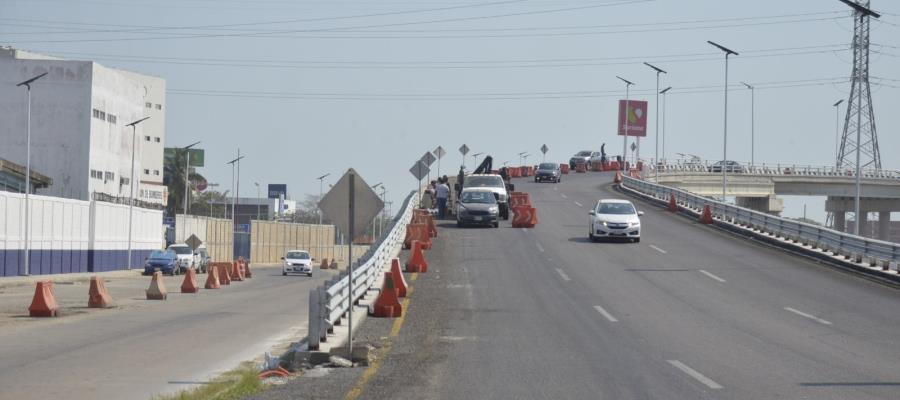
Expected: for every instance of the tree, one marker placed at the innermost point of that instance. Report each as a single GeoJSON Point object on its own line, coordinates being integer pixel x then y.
{"type": "Point", "coordinates": [210, 203]}
{"type": "Point", "coordinates": [173, 178]}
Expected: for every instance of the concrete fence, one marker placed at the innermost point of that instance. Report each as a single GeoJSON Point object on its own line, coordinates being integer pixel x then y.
{"type": "Point", "coordinates": [269, 241]}
{"type": "Point", "coordinates": [217, 234]}
{"type": "Point", "coordinates": [68, 236]}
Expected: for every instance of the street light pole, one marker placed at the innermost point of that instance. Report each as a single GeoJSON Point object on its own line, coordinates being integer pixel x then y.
{"type": "Point", "coordinates": [627, 105]}
{"type": "Point", "coordinates": [837, 128]}
{"type": "Point", "coordinates": [133, 126]}
{"type": "Point", "coordinates": [258, 200]}
{"type": "Point", "coordinates": [752, 123]}
{"type": "Point", "coordinates": [727, 52]}
{"type": "Point", "coordinates": [321, 178]}
{"type": "Point", "coordinates": [475, 156]}
{"type": "Point", "coordinates": [27, 85]}
{"type": "Point", "coordinates": [665, 98]}
{"type": "Point", "coordinates": [233, 184]}
{"type": "Point", "coordinates": [187, 174]}
{"type": "Point", "coordinates": [376, 186]}
{"type": "Point", "coordinates": [656, 160]}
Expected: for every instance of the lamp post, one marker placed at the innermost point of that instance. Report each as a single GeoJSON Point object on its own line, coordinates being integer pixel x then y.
{"type": "Point", "coordinates": [321, 178]}
{"type": "Point", "coordinates": [187, 174]}
{"type": "Point", "coordinates": [727, 52]}
{"type": "Point", "coordinates": [663, 92]}
{"type": "Point", "coordinates": [475, 156]}
{"type": "Point", "coordinates": [27, 85]}
{"type": "Point", "coordinates": [233, 184]}
{"type": "Point", "coordinates": [627, 105]}
{"type": "Point", "coordinates": [133, 126]}
{"type": "Point", "coordinates": [752, 123]}
{"type": "Point", "coordinates": [375, 186]}
{"type": "Point", "coordinates": [258, 200]}
{"type": "Point", "coordinates": [381, 223]}
{"type": "Point", "coordinates": [520, 157]}
{"type": "Point", "coordinates": [837, 128]}
{"type": "Point", "coordinates": [656, 160]}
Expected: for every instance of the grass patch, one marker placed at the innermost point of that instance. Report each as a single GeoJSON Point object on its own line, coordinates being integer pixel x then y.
{"type": "Point", "coordinates": [232, 385]}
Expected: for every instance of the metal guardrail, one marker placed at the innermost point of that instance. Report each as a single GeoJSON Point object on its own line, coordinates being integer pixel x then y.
{"type": "Point", "coordinates": [709, 167]}
{"type": "Point", "coordinates": [857, 248]}
{"type": "Point", "coordinates": [328, 303]}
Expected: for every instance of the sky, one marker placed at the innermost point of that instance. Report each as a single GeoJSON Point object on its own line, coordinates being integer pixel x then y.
{"type": "Point", "coordinates": [310, 87]}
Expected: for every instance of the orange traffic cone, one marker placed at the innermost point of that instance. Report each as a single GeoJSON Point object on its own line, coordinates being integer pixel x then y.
{"type": "Point", "coordinates": [388, 305]}
{"type": "Point", "coordinates": [399, 280]}
{"type": "Point", "coordinates": [190, 282]}
{"type": "Point", "coordinates": [98, 296]}
{"type": "Point", "coordinates": [44, 303]}
{"type": "Point", "coordinates": [417, 261]}
{"type": "Point", "coordinates": [212, 278]}
{"type": "Point", "coordinates": [157, 290]}
{"type": "Point", "coordinates": [618, 178]}
{"type": "Point", "coordinates": [706, 217]}
{"type": "Point", "coordinates": [673, 206]}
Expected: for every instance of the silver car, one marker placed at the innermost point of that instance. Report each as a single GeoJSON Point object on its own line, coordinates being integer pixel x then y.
{"type": "Point", "coordinates": [478, 206]}
{"type": "Point", "coordinates": [613, 218]}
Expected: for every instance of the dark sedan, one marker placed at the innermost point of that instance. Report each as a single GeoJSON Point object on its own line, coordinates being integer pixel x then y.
{"type": "Point", "coordinates": [164, 261]}
{"type": "Point", "coordinates": [547, 172]}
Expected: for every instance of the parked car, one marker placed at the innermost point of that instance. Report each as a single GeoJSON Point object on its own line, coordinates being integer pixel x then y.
{"type": "Point", "coordinates": [583, 156]}
{"type": "Point", "coordinates": [187, 258]}
{"type": "Point", "coordinates": [297, 261]}
{"type": "Point", "coordinates": [613, 218]}
{"type": "Point", "coordinates": [478, 206]}
{"type": "Point", "coordinates": [729, 166]}
{"type": "Point", "coordinates": [548, 172]}
{"type": "Point", "coordinates": [203, 259]}
{"type": "Point", "coordinates": [165, 261]}
{"type": "Point", "coordinates": [495, 184]}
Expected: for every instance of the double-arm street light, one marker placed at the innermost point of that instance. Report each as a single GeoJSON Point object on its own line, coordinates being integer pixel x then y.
{"type": "Point", "coordinates": [663, 92]}
{"type": "Point", "coordinates": [627, 105]}
{"type": "Point", "coordinates": [728, 52]}
{"type": "Point", "coordinates": [131, 184]}
{"type": "Point", "coordinates": [27, 85]}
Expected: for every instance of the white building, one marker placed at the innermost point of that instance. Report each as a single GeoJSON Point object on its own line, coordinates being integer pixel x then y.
{"type": "Point", "coordinates": [79, 137]}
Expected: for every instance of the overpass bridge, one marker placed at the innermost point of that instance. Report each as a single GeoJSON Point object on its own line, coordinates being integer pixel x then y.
{"type": "Point", "coordinates": [757, 187]}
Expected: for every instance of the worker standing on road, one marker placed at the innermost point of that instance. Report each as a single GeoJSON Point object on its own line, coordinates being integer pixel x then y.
{"type": "Point", "coordinates": [442, 193]}
{"type": "Point", "coordinates": [460, 180]}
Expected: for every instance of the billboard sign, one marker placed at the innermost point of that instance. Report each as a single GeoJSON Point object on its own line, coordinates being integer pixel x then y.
{"type": "Point", "coordinates": [276, 189]}
{"type": "Point", "coordinates": [637, 118]}
{"type": "Point", "coordinates": [198, 156]}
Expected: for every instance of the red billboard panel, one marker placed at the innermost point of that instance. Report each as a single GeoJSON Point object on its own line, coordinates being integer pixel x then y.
{"type": "Point", "coordinates": [637, 118]}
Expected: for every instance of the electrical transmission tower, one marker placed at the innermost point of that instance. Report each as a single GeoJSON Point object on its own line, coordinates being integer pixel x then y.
{"type": "Point", "coordinates": [859, 124]}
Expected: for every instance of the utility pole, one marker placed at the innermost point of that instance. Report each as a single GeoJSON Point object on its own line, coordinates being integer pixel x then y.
{"type": "Point", "coordinates": [627, 106]}
{"type": "Point", "coordinates": [752, 123]}
{"type": "Point", "coordinates": [187, 174]}
{"type": "Point", "coordinates": [727, 52]}
{"type": "Point", "coordinates": [837, 128]}
{"type": "Point", "coordinates": [321, 179]}
{"type": "Point", "coordinates": [27, 84]}
{"type": "Point", "coordinates": [233, 184]}
{"type": "Point", "coordinates": [665, 99]}
{"type": "Point", "coordinates": [131, 184]}
{"type": "Point", "coordinates": [258, 200]}
{"type": "Point", "coordinates": [656, 156]}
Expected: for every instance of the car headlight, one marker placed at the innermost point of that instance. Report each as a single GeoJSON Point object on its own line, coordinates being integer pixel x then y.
{"type": "Point", "coordinates": [636, 223]}
{"type": "Point", "coordinates": [494, 210]}
{"type": "Point", "coordinates": [502, 197]}
{"type": "Point", "coordinates": [602, 223]}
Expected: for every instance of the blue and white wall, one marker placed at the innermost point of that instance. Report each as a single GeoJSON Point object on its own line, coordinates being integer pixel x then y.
{"type": "Point", "coordinates": [69, 236]}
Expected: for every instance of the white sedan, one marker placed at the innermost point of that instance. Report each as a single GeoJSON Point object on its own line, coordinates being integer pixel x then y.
{"type": "Point", "coordinates": [297, 261]}
{"type": "Point", "coordinates": [613, 218]}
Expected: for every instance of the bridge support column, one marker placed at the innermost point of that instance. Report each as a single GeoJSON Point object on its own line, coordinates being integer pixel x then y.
{"type": "Point", "coordinates": [840, 221]}
{"type": "Point", "coordinates": [769, 205]}
{"type": "Point", "coordinates": [863, 220]}
{"type": "Point", "coordinates": [884, 225]}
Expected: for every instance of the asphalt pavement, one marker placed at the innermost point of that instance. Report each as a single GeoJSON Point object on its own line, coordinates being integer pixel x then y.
{"type": "Point", "coordinates": [691, 312]}
{"type": "Point", "coordinates": [142, 347]}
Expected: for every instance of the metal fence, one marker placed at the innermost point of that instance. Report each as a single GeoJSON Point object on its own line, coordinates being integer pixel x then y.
{"type": "Point", "coordinates": [858, 248]}
{"type": "Point", "coordinates": [695, 167]}
{"type": "Point", "coordinates": [329, 302]}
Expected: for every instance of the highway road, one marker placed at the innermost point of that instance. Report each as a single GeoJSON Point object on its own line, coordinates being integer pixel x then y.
{"type": "Point", "coordinates": [159, 347]}
{"type": "Point", "coordinates": [688, 313]}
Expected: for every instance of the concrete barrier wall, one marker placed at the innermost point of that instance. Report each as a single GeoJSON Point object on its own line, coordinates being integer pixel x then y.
{"type": "Point", "coordinates": [270, 240]}
{"type": "Point", "coordinates": [216, 233]}
{"type": "Point", "coordinates": [69, 236]}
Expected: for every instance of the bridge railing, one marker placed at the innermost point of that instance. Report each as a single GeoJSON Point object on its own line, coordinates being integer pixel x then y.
{"type": "Point", "coordinates": [329, 302]}
{"type": "Point", "coordinates": [710, 167]}
{"type": "Point", "coordinates": [851, 246]}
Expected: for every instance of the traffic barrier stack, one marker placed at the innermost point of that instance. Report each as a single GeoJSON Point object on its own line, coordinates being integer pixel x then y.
{"type": "Point", "coordinates": [237, 274]}
{"type": "Point", "coordinates": [517, 199]}
{"type": "Point", "coordinates": [524, 217]}
{"type": "Point", "coordinates": [706, 216]}
{"type": "Point", "coordinates": [189, 285]}
{"type": "Point", "coordinates": [98, 296]}
{"type": "Point", "coordinates": [224, 273]}
{"type": "Point", "coordinates": [580, 168]}
{"type": "Point", "coordinates": [399, 280]}
{"type": "Point", "coordinates": [44, 302]}
{"type": "Point", "coordinates": [245, 266]}
{"type": "Point", "coordinates": [212, 278]}
{"type": "Point", "coordinates": [157, 290]}
{"type": "Point", "coordinates": [417, 232]}
{"type": "Point", "coordinates": [618, 177]}
{"type": "Point", "coordinates": [417, 262]}
{"type": "Point", "coordinates": [564, 169]}
{"type": "Point", "coordinates": [387, 305]}
{"type": "Point", "coordinates": [324, 264]}
{"type": "Point", "coordinates": [673, 205]}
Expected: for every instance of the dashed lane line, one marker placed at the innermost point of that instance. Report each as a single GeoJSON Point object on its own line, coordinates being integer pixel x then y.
{"type": "Point", "coordinates": [605, 314]}
{"type": "Point", "coordinates": [658, 249]}
{"type": "Point", "coordinates": [563, 275]}
{"type": "Point", "coordinates": [578, 204]}
{"type": "Point", "coordinates": [539, 247]}
{"type": "Point", "coordinates": [711, 276]}
{"type": "Point", "coordinates": [696, 375]}
{"type": "Point", "coordinates": [806, 315]}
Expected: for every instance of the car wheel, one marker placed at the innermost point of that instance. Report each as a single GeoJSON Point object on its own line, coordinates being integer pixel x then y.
{"type": "Point", "coordinates": [283, 273]}
{"type": "Point", "coordinates": [459, 224]}
{"type": "Point", "coordinates": [309, 274]}
{"type": "Point", "coordinates": [637, 240]}
{"type": "Point", "coordinates": [496, 224]}
{"type": "Point", "coordinates": [591, 237]}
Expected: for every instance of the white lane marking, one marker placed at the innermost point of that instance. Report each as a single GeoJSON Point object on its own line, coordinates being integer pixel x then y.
{"type": "Point", "coordinates": [564, 195]}
{"type": "Point", "coordinates": [696, 375]}
{"type": "Point", "coordinates": [704, 272]}
{"type": "Point", "coordinates": [524, 230]}
{"type": "Point", "coordinates": [578, 204]}
{"type": "Point", "coordinates": [810, 316]}
{"type": "Point", "coordinates": [563, 275]}
{"type": "Point", "coordinates": [605, 314]}
{"type": "Point", "coordinates": [539, 247]}
{"type": "Point", "coordinates": [658, 249]}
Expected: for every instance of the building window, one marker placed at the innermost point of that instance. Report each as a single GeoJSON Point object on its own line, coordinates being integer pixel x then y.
{"type": "Point", "coordinates": [102, 115]}
{"type": "Point", "coordinates": [111, 118]}
{"type": "Point", "coordinates": [157, 139]}
{"type": "Point", "coordinates": [148, 105]}
{"type": "Point", "coordinates": [124, 181]}
{"type": "Point", "coordinates": [96, 174]}
{"type": "Point", "coordinates": [146, 172]}
{"type": "Point", "coordinates": [159, 106]}
{"type": "Point", "coordinates": [156, 172]}
{"type": "Point", "coordinates": [96, 113]}
{"type": "Point", "coordinates": [109, 176]}
{"type": "Point", "coordinates": [147, 138]}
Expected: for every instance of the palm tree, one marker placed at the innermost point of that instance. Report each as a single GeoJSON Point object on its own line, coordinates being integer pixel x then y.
{"type": "Point", "coordinates": [173, 178]}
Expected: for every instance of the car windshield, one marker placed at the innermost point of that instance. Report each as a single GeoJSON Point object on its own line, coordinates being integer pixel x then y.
{"type": "Point", "coordinates": [181, 249]}
{"type": "Point", "coordinates": [615, 208]}
{"type": "Point", "coordinates": [547, 166]}
{"type": "Point", "coordinates": [297, 255]}
{"type": "Point", "coordinates": [478, 197]}
{"type": "Point", "coordinates": [484, 181]}
{"type": "Point", "coordinates": [583, 154]}
{"type": "Point", "coordinates": [159, 254]}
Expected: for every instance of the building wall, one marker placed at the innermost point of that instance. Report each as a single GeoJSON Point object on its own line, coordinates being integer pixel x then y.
{"type": "Point", "coordinates": [217, 234]}
{"type": "Point", "coordinates": [270, 240]}
{"type": "Point", "coordinates": [60, 120]}
{"type": "Point", "coordinates": [153, 138]}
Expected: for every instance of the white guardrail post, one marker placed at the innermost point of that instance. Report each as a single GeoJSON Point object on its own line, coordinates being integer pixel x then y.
{"type": "Point", "coordinates": [328, 303]}
{"type": "Point", "coordinates": [839, 243]}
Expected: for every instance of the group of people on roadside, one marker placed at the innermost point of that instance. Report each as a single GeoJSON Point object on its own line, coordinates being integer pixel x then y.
{"type": "Point", "coordinates": [436, 195]}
